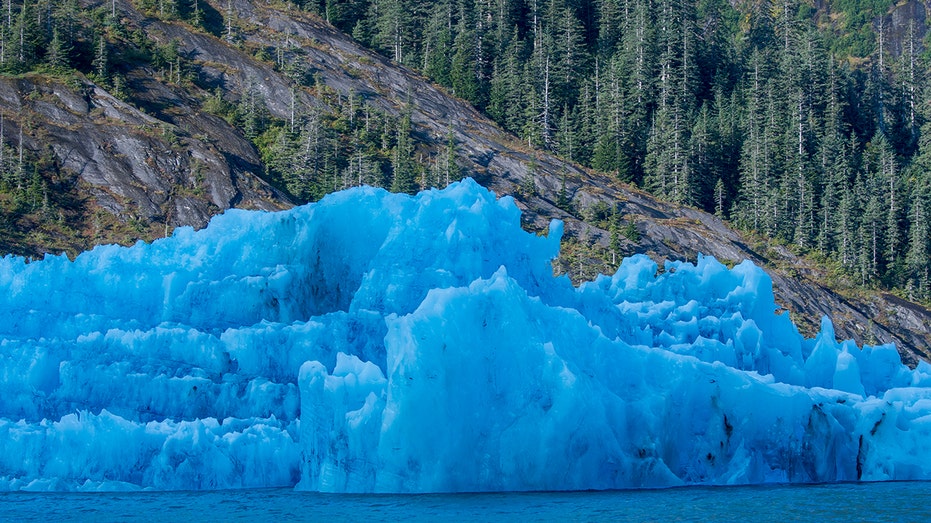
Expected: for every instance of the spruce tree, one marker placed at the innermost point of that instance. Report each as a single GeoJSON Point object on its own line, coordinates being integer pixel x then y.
{"type": "Point", "coordinates": [463, 75]}
{"type": "Point", "coordinates": [402, 159]}
{"type": "Point", "coordinates": [57, 54]}
{"type": "Point", "coordinates": [101, 63]}
{"type": "Point", "coordinates": [918, 258]}
{"type": "Point", "coordinates": [392, 27]}
{"type": "Point", "coordinates": [438, 43]}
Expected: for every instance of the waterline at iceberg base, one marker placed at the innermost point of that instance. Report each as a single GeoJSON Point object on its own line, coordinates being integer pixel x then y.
{"type": "Point", "coordinates": [375, 342]}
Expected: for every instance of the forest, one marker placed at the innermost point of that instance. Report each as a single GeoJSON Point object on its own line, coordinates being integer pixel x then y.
{"type": "Point", "coordinates": [811, 127]}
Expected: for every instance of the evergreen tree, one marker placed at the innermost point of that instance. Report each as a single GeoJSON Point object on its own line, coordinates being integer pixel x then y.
{"type": "Point", "coordinates": [101, 63]}
{"type": "Point", "coordinates": [310, 174]}
{"type": "Point", "coordinates": [703, 161]}
{"type": "Point", "coordinates": [438, 43]}
{"type": "Point", "coordinates": [252, 112]}
{"type": "Point", "coordinates": [756, 164]}
{"type": "Point", "coordinates": [636, 58]}
{"type": "Point", "coordinates": [405, 175]}
{"type": "Point", "coordinates": [565, 135]}
{"type": "Point", "coordinates": [66, 19]}
{"type": "Point", "coordinates": [837, 176]}
{"type": "Point", "coordinates": [725, 150]}
{"type": "Point", "coordinates": [719, 199]}
{"type": "Point", "coordinates": [449, 171]}
{"type": "Point", "coordinates": [585, 122]}
{"type": "Point", "coordinates": [570, 58]}
{"type": "Point", "coordinates": [27, 37]}
{"type": "Point", "coordinates": [850, 214]}
{"type": "Point", "coordinates": [872, 228]}
{"type": "Point", "coordinates": [464, 75]}
{"type": "Point", "coordinates": [506, 97]}
{"type": "Point", "coordinates": [393, 23]}
{"type": "Point", "coordinates": [918, 258]}
{"type": "Point", "coordinates": [57, 55]}
{"type": "Point", "coordinates": [667, 171]}
{"type": "Point", "coordinates": [886, 203]}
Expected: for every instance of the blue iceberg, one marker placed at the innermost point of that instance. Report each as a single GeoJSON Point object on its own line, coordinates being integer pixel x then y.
{"type": "Point", "coordinates": [375, 342]}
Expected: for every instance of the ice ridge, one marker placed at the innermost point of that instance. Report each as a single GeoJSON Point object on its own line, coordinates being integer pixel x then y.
{"type": "Point", "coordinates": [375, 342]}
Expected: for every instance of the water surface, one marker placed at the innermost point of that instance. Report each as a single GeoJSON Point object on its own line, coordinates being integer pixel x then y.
{"type": "Point", "coordinates": [891, 501]}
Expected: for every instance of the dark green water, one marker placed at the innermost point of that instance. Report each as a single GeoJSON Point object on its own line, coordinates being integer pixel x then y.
{"type": "Point", "coordinates": [898, 501]}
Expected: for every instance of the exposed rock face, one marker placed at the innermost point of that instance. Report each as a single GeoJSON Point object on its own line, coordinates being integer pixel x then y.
{"type": "Point", "coordinates": [135, 165]}
{"type": "Point", "coordinates": [905, 27]}
{"type": "Point", "coordinates": [173, 164]}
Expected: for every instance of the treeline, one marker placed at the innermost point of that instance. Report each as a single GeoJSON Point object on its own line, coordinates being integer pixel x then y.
{"type": "Point", "coordinates": [60, 37]}
{"type": "Point", "coordinates": [751, 114]}
{"type": "Point", "coordinates": [39, 207]}
{"type": "Point", "coordinates": [22, 188]}
{"type": "Point", "coordinates": [347, 143]}
{"type": "Point", "coordinates": [343, 142]}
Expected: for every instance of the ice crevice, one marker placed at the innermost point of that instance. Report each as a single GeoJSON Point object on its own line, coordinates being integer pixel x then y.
{"type": "Point", "coordinates": [374, 342]}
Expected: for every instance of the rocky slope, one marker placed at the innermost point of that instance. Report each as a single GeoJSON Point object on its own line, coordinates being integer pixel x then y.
{"type": "Point", "coordinates": [159, 160]}
{"type": "Point", "coordinates": [131, 162]}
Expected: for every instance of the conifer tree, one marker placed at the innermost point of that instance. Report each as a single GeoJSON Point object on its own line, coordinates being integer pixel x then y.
{"type": "Point", "coordinates": [57, 55]}
{"type": "Point", "coordinates": [438, 43]}
{"type": "Point", "coordinates": [918, 258]}
{"type": "Point", "coordinates": [27, 38]}
{"type": "Point", "coordinates": [755, 161]}
{"type": "Point", "coordinates": [636, 58]}
{"type": "Point", "coordinates": [565, 135]}
{"type": "Point", "coordinates": [463, 74]}
{"type": "Point", "coordinates": [101, 63]}
{"type": "Point", "coordinates": [449, 169]}
{"type": "Point", "coordinates": [872, 228]}
{"type": "Point", "coordinates": [252, 111]}
{"type": "Point", "coordinates": [703, 164]}
{"type": "Point", "coordinates": [506, 96]}
{"type": "Point", "coordinates": [850, 214]}
{"type": "Point", "coordinates": [610, 14]}
{"type": "Point", "coordinates": [570, 59]}
{"type": "Point", "coordinates": [719, 199]}
{"type": "Point", "coordinates": [393, 24]}
{"type": "Point", "coordinates": [405, 175]}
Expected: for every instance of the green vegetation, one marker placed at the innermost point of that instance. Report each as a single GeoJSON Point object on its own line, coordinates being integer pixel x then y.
{"type": "Point", "coordinates": [808, 126]}
{"type": "Point", "coordinates": [318, 150]}
{"type": "Point", "coordinates": [37, 203]}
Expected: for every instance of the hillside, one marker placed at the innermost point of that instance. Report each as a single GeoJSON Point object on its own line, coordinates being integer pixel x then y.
{"type": "Point", "coordinates": [166, 136]}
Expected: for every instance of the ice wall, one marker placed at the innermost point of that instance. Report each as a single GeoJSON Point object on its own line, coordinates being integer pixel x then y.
{"type": "Point", "coordinates": [380, 342]}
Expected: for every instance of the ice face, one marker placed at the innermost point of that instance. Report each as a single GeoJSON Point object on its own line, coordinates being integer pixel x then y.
{"type": "Point", "coordinates": [375, 342]}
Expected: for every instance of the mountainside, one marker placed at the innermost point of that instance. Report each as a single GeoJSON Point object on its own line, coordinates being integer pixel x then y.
{"type": "Point", "coordinates": [150, 147]}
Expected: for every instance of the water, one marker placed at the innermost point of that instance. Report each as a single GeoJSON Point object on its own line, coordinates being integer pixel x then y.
{"type": "Point", "coordinates": [893, 501]}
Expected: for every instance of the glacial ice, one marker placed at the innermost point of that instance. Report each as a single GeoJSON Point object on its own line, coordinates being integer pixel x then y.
{"type": "Point", "coordinates": [375, 342]}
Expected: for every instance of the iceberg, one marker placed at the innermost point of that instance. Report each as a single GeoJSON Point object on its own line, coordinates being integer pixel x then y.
{"type": "Point", "coordinates": [375, 342]}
